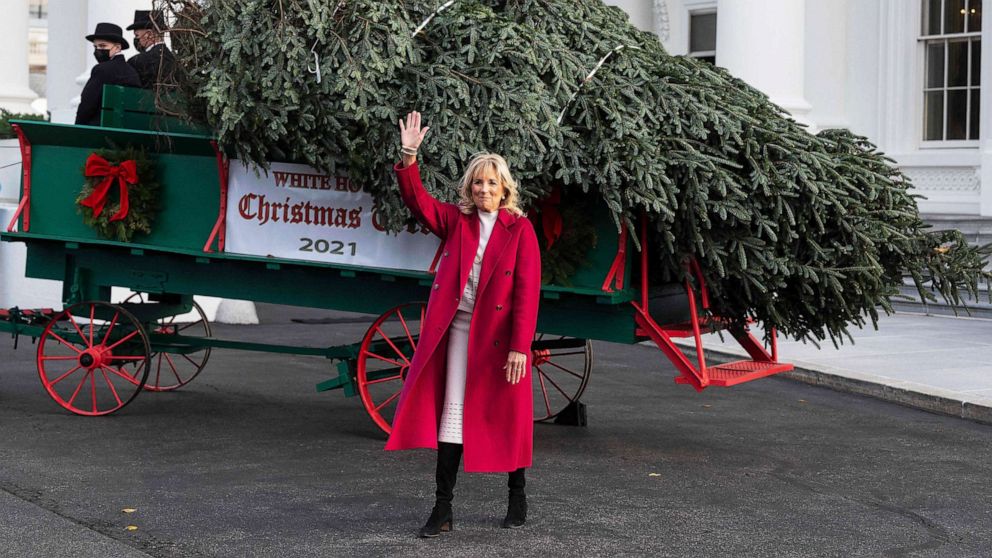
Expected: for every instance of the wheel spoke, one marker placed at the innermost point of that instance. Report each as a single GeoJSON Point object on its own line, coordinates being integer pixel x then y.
{"type": "Point", "coordinates": [388, 401]}
{"type": "Point", "coordinates": [187, 326]}
{"type": "Point", "coordinates": [173, 366]}
{"type": "Point", "coordinates": [59, 358]}
{"type": "Point", "coordinates": [122, 374]}
{"type": "Point", "coordinates": [79, 387]}
{"type": "Point", "coordinates": [93, 389]}
{"type": "Point", "coordinates": [111, 386]}
{"type": "Point", "coordinates": [193, 362]}
{"type": "Point", "coordinates": [393, 345]}
{"type": "Point", "coordinates": [110, 328]}
{"type": "Point", "coordinates": [75, 325]}
{"type": "Point", "coordinates": [381, 380]}
{"type": "Point", "coordinates": [63, 376]}
{"type": "Point", "coordinates": [158, 370]}
{"type": "Point", "coordinates": [544, 392]}
{"type": "Point", "coordinates": [123, 339]}
{"type": "Point", "coordinates": [567, 396]}
{"type": "Point", "coordinates": [399, 313]}
{"type": "Point", "coordinates": [92, 310]}
{"type": "Point", "coordinates": [568, 353]}
{"type": "Point", "coordinates": [64, 342]}
{"type": "Point", "coordinates": [382, 358]}
{"type": "Point", "coordinates": [560, 367]}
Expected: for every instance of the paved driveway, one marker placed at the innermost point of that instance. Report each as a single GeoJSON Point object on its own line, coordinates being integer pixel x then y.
{"type": "Point", "coordinates": [250, 461]}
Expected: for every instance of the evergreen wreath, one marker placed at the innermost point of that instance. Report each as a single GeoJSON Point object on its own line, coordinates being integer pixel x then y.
{"type": "Point", "coordinates": [570, 251]}
{"type": "Point", "coordinates": [143, 197]}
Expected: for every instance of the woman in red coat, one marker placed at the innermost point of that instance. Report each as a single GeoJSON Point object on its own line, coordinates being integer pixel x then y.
{"type": "Point", "coordinates": [465, 390]}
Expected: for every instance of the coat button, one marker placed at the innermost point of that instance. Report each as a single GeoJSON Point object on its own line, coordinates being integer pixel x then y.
{"type": "Point", "coordinates": [435, 286]}
{"type": "Point", "coordinates": [496, 343]}
{"type": "Point", "coordinates": [508, 273]}
{"type": "Point", "coordinates": [499, 306]}
{"type": "Point", "coordinates": [446, 253]}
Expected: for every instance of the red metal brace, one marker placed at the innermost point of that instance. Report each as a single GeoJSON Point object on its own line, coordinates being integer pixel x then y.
{"type": "Point", "coordinates": [616, 273]}
{"type": "Point", "coordinates": [437, 256]}
{"type": "Point", "coordinates": [25, 205]}
{"type": "Point", "coordinates": [220, 227]}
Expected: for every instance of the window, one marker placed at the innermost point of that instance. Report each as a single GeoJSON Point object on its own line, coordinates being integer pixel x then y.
{"type": "Point", "coordinates": [38, 9]}
{"type": "Point", "coordinates": [952, 38]}
{"type": "Point", "coordinates": [702, 36]}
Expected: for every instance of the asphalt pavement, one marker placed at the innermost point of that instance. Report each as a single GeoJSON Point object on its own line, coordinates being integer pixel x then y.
{"type": "Point", "coordinates": [249, 460]}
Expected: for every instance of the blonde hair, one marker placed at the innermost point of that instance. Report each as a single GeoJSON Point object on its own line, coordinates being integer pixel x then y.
{"type": "Point", "coordinates": [483, 162]}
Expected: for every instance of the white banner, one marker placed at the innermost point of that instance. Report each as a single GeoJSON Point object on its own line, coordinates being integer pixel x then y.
{"type": "Point", "coordinates": [294, 212]}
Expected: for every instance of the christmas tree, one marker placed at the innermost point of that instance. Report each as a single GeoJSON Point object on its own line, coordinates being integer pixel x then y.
{"type": "Point", "coordinates": [807, 233]}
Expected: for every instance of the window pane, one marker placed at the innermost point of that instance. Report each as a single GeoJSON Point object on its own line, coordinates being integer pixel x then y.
{"type": "Point", "coordinates": [957, 114]}
{"type": "Point", "coordinates": [702, 33]}
{"type": "Point", "coordinates": [935, 65]}
{"type": "Point", "coordinates": [976, 62]}
{"type": "Point", "coordinates": [933, 119]}
{"type": "Point", "coordinates": [973, 131]}
{"type": "Point", "coordinates": [931, 17]}
{"type": "Point", "coordinates": [953, 16]}
{"type": "Point", "coordinates": [974, 15]}
{"type": "Point", "coordinates": [957, 63]}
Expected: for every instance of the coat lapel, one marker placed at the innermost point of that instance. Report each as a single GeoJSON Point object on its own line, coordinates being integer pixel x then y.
{"type": "Point", "coordinates": [498, 241]}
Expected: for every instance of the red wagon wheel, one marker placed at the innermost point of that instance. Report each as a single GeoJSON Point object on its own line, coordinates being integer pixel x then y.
{"type": "Point", "coordinates": [560, 368]}
{"type": "Point", "coordinates": [171, 371]}
{"type": "Point", "coordinates": [93, 358]}
{"type": "Point", "coordinates": [384, 360]}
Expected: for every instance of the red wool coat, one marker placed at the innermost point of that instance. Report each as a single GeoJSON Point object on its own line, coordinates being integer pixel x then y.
{"type": "Point", "coordinates": [498, 417]}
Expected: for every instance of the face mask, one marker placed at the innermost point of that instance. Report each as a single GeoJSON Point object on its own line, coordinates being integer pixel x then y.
{"type": "Point", "coordinates": [101, 54]}
{"type": "Point", "coordinates": [138, 45]}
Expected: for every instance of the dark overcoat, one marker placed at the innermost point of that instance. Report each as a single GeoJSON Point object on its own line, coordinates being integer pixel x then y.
{"type": "Point", "coordinates": [115, 71]}
{"type": "Point", "coordinates": [498, 417]}
{"type": "Point", "coordinates": [153, 65]}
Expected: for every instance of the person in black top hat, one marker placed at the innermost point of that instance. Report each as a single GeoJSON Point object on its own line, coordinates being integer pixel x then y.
{"type": "Point", "coordinates": [154, 61]}
{"type": "Point", "coordinates": [111, 69]}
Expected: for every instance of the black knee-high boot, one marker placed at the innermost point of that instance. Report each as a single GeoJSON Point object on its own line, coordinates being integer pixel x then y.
{"type": "Point", "coordinates": [448, 458]}
{"type": "Point", "coordinates": [516, 511]}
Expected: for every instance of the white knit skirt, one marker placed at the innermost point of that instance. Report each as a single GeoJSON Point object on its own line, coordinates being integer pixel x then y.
{"type": "Point", "coordinates": [450, 430]}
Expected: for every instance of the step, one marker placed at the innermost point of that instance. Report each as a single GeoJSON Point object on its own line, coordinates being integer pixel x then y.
{"type": "Point", "coordinates": [912, 304]}
{"type": "Point", "coordinates": [738, 372]}
{"type": "Point", "coordinates": [978, 230]}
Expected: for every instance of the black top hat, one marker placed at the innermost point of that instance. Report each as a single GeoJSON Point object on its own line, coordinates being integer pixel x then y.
{"type": "Point", "coordinates": [109, 32]}
{"type": "Point", "coordinates": [148, 19]}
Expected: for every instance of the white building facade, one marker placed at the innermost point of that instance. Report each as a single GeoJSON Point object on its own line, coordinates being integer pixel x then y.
{"type": "Point", "coordinates": [911, 75]}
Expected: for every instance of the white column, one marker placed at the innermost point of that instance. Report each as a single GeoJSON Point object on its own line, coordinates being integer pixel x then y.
{"type": "Point", "coordinates": [763, 43]}
{"type": "Point", "coordinates": [985, 116]}
{"type": "Point", "coordinates": [67, 56]}
{"type": "Point", "coordinates": [640, 12]}
{"type": "Point", "coordinates": [15, 95]}
{"type": "Point", "coordinates": [119, 12]}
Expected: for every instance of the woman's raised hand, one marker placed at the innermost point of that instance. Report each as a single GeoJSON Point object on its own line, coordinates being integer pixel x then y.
{"type": "Point", "coordinates": [410, 137]}
{"type": "Point", "coordinates": [411, 133]}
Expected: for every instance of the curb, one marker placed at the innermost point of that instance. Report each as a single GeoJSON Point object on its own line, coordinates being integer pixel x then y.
{"type": "Point", "coordinates": [930, 402]}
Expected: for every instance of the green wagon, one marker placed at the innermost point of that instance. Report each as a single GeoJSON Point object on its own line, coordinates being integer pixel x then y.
{"type": "Point", "coordinates": [95, 354]}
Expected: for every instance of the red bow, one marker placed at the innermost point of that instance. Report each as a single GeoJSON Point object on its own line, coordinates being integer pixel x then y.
{"type": "Point", "coordinates": [550, 217]}
{"type": "Point", "coordinates": [125, 173]}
